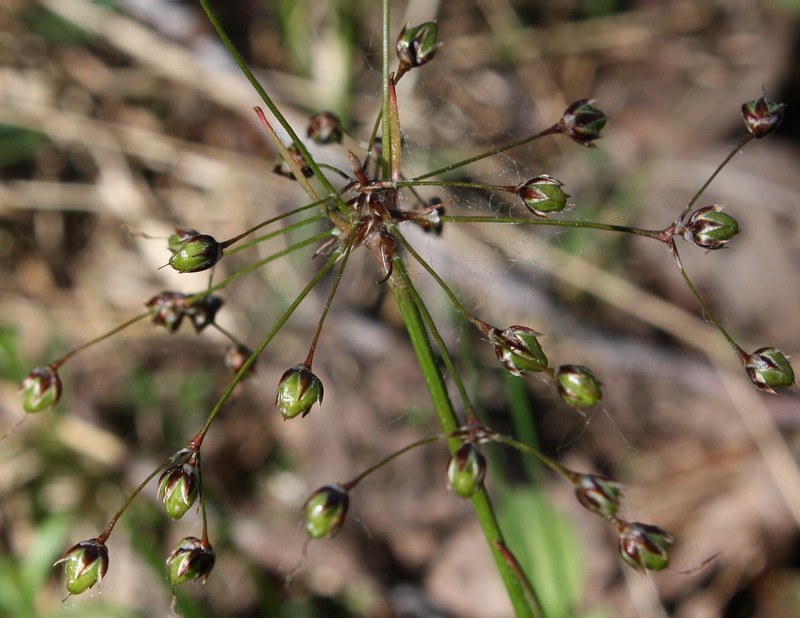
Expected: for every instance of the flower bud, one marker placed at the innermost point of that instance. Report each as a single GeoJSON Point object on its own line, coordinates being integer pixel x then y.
{"type": "Point", "coordinates": [236, 356]}
{"type": "Point", "coordinates": [578, 386]}
{"type": "Point", "coordinates": [282, 167]}
{"type": "Point", "coordinates": [599, 494]}
{"type": "Point", "coordinates": [298, 391]}
{"type": "Point", "coordinates": [582, 122]}
{"type": "Point", "coordinates": [762, 117]}
{"type": "Point", "coordinates": [325, 128]}
{"type": "Point", "coordinates": [710, 228]}
{"type": "Point", "coordinates": [41, 389]}
{"type": "Point", "coordinates": [466, 470]}
{"type": "Point", "coordinates": [518, 349]}
{"type": "Point", "coordinates": [642, 546]}
{"type": "Point", "coordinates": [178, 488]}
{"type": "Point", "coordinates": [769, 368]}
{"type": "Point", "coordinates": [416, 46]}
{"type": "Point", "coordinates": [191, 560]}
{"type": "Point", "coordinates": [85, 565]}
{"type": "Point", "coordinates": [168, 309]}
{"type": "Point", "coordinates": [203, 311]}
{"type": "Point", "coordinates": [196, 253]}
{"type": "Point", "coordinates": [542, 194]}
{"type": "Point", "coordinates": [325, 511]}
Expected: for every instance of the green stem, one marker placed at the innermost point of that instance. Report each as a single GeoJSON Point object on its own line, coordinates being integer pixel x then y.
{"type": "Point", "coordinates": [280, 232]}
{"type": "Point", "coordinates": [57, 363]}
{"type": "Point", "coordinates": [398, 283]}
{"type": "Point", "coordinates": [255, 228]}
{"type": "Point", "coordinates": [657, 234]}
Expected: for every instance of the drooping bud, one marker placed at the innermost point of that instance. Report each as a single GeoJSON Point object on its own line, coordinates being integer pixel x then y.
{"type": "Point", "coordinates": [203, 311]}
{"type": "Point", "coordinates": [325, 511]}
{"type": "Point", "coordinates": [710, 228]}
{"type": "Point", "coordinates": [642, 546]}
{"type": "Point", "coordinates": [85, 564]}
{"type": "Point", "coordinates": [542, 194]}
{"type": "Point", "coordinates": [582, 122]}
{"type": "Point", "coordinates": [466, 470]}
{"type": "Point", "coordinates": [762, 117]}
{"type": "Point", "coordinates": [236, 355]}
{"type": "Point", "coordinates": [41, 389]}
{"type": "Point", "coordinates": [768, 369]}
{"type": "Point", "coordinates": [599, 494]}
{"type": "Point", "coordinates": [518, 349]}
{"type": "Point", "coordinates": [191, 560]}
{"type": "Point", "coordinates": [298, 390]}
{"type": "Point", "coordinates": [416, 46]}
{"type": "Point", "coordinates": [196, 253]}
{"type": "Point", "coordinates": [178, 488]}
{"type": "Point", "coordinates": [168, 309]}
{"type": "Point", "coordinates": [282, 167]}
{"type": "Point", "coordinates": [325, 128]}
{"type": "Point", "coordinates": [578, 386]}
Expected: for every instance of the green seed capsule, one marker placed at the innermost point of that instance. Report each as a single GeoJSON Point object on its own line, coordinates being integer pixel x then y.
{"type": "Point", "coordinates": [642, 546]}
{"type": "Point", "coordinates": [768, 369]}
{"type": "Point", "coordinates": [578, 386]}
{"type": "Point", "coordinates": [599, 494]}
{"type": "Point", "coordinates": [298, 390]}
{"type": "Point", "coordinates": [518, 349]}
{"type": "Point", "coordinates": [41, 389]}
{"type": "Point", "coordinates": [325, 511]}
{"type": "Point", "coordinates": [85, 564]}
{"type": "Point", "coordinates": [466, 470]}
{"type": "Point", "coordinates": [710, 228]}
{"type": "Point", "coordinates": [191, 560]}
{"type": "Point", "coordinates": [195, 254]}
{"type": "Point", "coordinates": [178, 489]}
{"type": "Point", "coordinates": [542, 194]}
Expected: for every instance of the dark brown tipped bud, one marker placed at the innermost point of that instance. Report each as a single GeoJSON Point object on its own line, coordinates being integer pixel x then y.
{"type": "Point", "coordinates": [578, 386]}
{"type": "Point", "coordinates": [236, 356]}
{"type": "Point", "coordinates": [325, 128]}
{"type": "Point", "coordinates": [298, 390]}
{"type": "Point", "coordinates": [518, 349]}
{"type": "Point", "coordinates": [466, 470]}
{"type": "Point", "coordinates": [710, 228]}
{"type": "Point", "coordinates": [416, 46]}
{"type": "Point", "coordinates": [642, 546]}
{"type": "Point", "coordinates": [191, 560]}
{"type": "Point", "coordinates": [41, 389]}
{"type": "Point", "coordinates": [282, 167]}
{"type": "Point", "coordinates": [768, 369]}
{"type": "Point", "coordinates": [542, 194]}
{"type": "Point", "coordinates": [85, 564]}
{"type": "Point", "coordinates": [168, 309]}
{"type": "Point", "coordinates": [195, 254]}
{"type": "Point", "coordinates": [582, 122]}
{"type": "Point", "coordinates": [178, 488]}
{"type": "Point", "coordinates": [325, 511]}
{"type": "Point", "coordinates": [762, 117]}
{"type": "Point", "coordinates": [599, 494]}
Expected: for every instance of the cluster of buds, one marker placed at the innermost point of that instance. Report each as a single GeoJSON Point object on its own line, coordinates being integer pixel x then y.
{"type": "Point", "coordinates": [298, 390]}
{"type": "Point", "coordinates": [193, 252]}
{"type": "Point", "coordinates": [542, 194]}
{"type": "Point", "coordinates": [466, 470]}
{"type": "Point", "coordinates": [41, 389]}
{"type": "Point", "coordinates": [168, 309]}
{"type": "Point", "coordinates": [710, 228]}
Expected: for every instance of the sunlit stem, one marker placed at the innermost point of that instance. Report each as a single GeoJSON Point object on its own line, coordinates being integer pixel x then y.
{"type": "Point", "coordinates": [57, 363]}
{"type": "Point", "coordinates": [742, 143]}
{"type": "Point", "coordinates": [437, 337]}
{"type": "Point", "coordinates": [479, 324]}
{"type": "Point", "coordinates": [255, 228]}
{"type": "Point", "coordinates": [357, 479]}
{"type": "Point", "coordinates": [657, 234]}
{"type": "Point", "coordinates": [447, 168]}
{"type": "Point", "coordinates": [512, 561]}
{"type": "Point", "coordinates": [704, 307]}
{"type": "Point", "coordinates": [198, 439]}
{"type": "Point", "coordinates": [329, 301]}
{"type": "Point", "coordinates": [110, 527]}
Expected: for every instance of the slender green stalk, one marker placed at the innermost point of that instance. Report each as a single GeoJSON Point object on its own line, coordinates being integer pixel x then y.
{"type": "Point", "coordinates": [398, 283]}
{"type": "Point", "coordinates": [280, 232]}
{"type": "Point", "coordinates": [657, 234]}
{"type": "Point", "coordinates": [57, 363]}
{"type": "Point", "coordinates": [255, 228]}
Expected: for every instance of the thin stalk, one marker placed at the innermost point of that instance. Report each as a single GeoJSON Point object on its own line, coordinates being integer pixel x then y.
{"type": "Point", "coordinates": [57, 363]}
{"type": "Point", "coordinates": [398, 284]}
{"type": "Point", "coordinates": [280, 232]}
{"type": "Point", "coordinates": [257, 227]}
{"type": "Point", "coordinates": [657, 234]}
{"type": "Point", "coordinates": [198, 439]}
{"type": "Point", "coordinates": [742, 143]}
{"type": "Point", "coordinates": [704, 307]}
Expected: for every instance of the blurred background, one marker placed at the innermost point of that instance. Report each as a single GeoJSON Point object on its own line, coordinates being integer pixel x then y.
{"type": "Point", "coordinates": [130, 116]}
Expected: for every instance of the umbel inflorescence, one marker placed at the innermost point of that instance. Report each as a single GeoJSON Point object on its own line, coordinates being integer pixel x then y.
{"type": "Point", "coordinates": [364, 209]}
